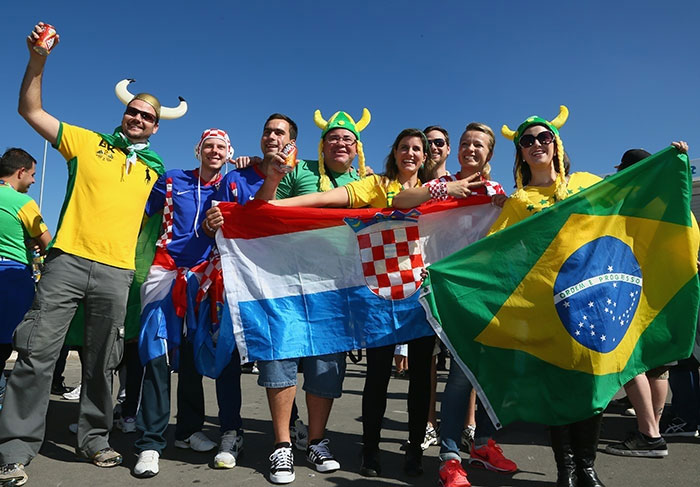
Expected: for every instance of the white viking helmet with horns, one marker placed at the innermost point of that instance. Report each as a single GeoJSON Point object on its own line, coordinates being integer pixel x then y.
{"type": "Point", "coordinates": [166, 113]}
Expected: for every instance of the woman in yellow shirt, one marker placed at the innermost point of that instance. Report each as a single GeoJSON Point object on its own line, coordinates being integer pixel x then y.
{"type": "Point", "coordinates": [542, 178]}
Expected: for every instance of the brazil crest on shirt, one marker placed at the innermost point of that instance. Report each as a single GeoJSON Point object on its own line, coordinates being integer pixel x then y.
{"type": "Point", "coordinates": [551, 316]}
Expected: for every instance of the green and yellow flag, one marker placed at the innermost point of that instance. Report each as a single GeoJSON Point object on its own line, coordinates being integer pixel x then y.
{"type": "Point", "coordinates": [553, 315]}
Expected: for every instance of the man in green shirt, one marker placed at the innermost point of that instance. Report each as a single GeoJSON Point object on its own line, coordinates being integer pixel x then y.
{"type": "Point", "coordinates": [20, 224]}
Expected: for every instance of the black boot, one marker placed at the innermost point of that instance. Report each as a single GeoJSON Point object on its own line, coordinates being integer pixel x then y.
{"type": "Point", "coordinates": [413, 465]}
{"type": "Point", "coordinates": [584, 441]}
{"type": "Point", "coordinates": [563, 455]}
{"type": "Point", "coordinates": [370, 462]}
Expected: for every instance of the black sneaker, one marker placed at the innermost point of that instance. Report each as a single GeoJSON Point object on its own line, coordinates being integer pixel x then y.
{"type": "Point", "coordinates": [678, 427]}
{"type": "Point", "coordinates": [639, 445]}
{"type": "Point", "coordinates": [282, 464]}
{"type": "Point", "coordinates": [319, 455]}
{"type": "Point", "coordinates": [59, 388]}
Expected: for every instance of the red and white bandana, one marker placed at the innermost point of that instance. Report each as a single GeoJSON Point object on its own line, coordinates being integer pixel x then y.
{"type": "Point", "coordinates": [214, 134]}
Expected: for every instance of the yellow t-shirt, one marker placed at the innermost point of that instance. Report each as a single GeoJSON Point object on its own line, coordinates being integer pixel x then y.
{"type": "Point", "coordinates": [371, 192]}
{"type": "Point", "coordinates": [104, 204]}
{"type": "Point", "coordinates": [541, 197]}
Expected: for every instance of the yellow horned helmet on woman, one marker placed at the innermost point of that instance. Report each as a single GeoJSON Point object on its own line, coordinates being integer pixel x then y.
{"type": "Point", "coordinates": [554, 126]}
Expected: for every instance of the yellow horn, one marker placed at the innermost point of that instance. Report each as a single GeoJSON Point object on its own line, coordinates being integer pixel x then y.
{"type": "Point", "coordinates": [364, 121]}
{"type": "Point", "coordinates": [508, 133]}
{"type": "Point", "coordinates": [561, 118]}
{"type": "Point", "coordinates": [320, 122]}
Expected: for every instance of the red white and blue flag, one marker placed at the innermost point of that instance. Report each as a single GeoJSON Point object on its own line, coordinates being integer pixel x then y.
{"type": "Point", "coordinates": [311, 281]}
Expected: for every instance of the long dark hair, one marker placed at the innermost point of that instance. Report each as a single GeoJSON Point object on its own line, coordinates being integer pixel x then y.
{"type": "Point", "coordinates": [391, 170]}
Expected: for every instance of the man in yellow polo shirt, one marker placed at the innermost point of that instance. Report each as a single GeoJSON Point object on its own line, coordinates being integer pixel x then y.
{"type": "Point", "coordinates": [91, 261]}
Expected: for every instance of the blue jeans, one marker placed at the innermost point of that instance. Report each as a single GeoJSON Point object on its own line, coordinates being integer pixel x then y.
{"type": "Point", "coordinates": [455, 400]}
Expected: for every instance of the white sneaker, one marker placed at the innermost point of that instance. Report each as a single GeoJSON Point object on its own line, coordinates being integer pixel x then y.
{"type": "Point", "coordinates": [229, 449]}
{"type": "Point", "coordinates": [282, 465]}
{"type": "Point", "coordinates": [197, 441]}
{"type": "Point", "coordinates": [73, 428]}
{"type": "Point", "coordinates": [299, 434]}
{"type": "Point", "coordinates": [73, 395]}
{"type": "Point", "coordinates": [146, 465]}
{"type": "Point", "coordinates": [431, 436]}
{"type": "Point", "coordinates": [468, 436]}
{"type": "Point", "coordinates": [127, 425]}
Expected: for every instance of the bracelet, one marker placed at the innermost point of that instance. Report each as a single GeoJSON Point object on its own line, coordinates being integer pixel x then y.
{"type": "Point", "coordinates": [438, 191]}
{"type": "Point", "coordinates": [208, 227]}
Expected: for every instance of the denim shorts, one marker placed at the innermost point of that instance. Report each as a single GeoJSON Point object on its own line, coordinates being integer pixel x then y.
{"type": "Point", "coordinates": [323, 374]}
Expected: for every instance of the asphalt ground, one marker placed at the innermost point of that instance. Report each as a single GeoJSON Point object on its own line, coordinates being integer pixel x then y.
{"type": "Point", "coordinates": [526, 444]}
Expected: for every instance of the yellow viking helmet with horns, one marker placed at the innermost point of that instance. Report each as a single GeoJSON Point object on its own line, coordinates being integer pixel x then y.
{"type": "Point", "coordinates": [340, 120]}
{"type": "Point", "coordinates": [165, 113]}
{"type": "Point", "coordinates": [553, 126]}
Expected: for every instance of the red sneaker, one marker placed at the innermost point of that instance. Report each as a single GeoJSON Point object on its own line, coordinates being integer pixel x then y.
{"type": "Point", "coordinates": [452, 474]}
{"type": "Point", "coordinates": [491, 457]}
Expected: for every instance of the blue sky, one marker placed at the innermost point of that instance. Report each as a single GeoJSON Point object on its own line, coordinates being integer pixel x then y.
{"type": "Point", "coordinates": [627, 70]}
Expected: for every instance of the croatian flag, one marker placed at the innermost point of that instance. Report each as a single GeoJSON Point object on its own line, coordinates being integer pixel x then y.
{"type": "Point", "coordinates": [301, 282]}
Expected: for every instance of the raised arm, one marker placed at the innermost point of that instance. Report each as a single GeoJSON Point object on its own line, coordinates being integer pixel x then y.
{"type": "Point", "coordinates": [30, 106]}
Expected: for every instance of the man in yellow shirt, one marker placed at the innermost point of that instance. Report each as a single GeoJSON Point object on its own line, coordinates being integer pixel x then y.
{"type": "Point", "coordinates": [91, 261]}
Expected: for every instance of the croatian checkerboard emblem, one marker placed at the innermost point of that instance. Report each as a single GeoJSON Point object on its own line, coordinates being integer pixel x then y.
{"type": "Point", "coordinates": [597, 293]}
{"type": "Point", "coordinates": [390, 251]}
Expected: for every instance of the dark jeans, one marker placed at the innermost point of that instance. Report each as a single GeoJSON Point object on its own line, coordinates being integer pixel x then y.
{"type": "Point", "coordinates": [134, 376]}
{"type": "Point", "coordinates": [379, 360]}
{"type": "Point", "coordinates": [154, 410]}
{"type": "Point", "coordinates": [684, 381]}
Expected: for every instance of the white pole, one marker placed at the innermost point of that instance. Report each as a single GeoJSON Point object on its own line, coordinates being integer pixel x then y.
{"type": "Point", "coordinates": [43, 173]}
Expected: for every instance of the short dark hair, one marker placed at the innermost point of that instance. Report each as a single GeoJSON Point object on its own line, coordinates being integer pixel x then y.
{"type": "Point", "coordinates": [430, 128]}
{"type": "Point", "coordinates": [292, 125]}
{"type": "Point", "coordinates": [14, 159]}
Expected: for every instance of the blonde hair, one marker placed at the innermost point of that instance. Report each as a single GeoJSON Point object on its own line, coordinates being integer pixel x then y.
{"type": "Point", "coordinates": [483, 128]}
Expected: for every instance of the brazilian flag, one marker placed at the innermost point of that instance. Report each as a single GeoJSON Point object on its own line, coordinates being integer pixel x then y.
{"type": "Point", "coordinates": [550, 317]}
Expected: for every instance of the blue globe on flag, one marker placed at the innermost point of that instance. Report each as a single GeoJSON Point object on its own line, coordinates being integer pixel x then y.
{"type": "Point", "coordinates": [597, 292]}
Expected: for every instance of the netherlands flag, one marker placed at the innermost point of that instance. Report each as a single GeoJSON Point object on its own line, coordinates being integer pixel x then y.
{"type": "Point", "coordinates": [311, 281]}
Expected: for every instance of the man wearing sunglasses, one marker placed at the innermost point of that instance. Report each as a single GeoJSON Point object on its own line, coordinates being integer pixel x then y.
{"type": "Point", "coordinates": [439, 142]}
{"type": "Point", "coordinates": [92, 261]}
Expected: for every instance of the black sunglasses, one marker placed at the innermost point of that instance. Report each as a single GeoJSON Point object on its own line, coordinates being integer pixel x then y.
{"type": "Point", "coordinates": [145, 116]}
{"type": "Point", "coordinates": [528, 140]}
{"type": "Point", "coordinates": [437, 142]}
